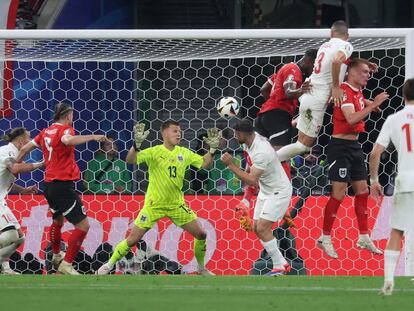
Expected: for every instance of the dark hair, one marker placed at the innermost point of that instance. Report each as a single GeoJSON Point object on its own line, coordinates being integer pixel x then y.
{"type": "Point", "coordinates": [311, 53]}
{"type": "Point", "coordinates": [355, 62]}
{"type": "Point", "coordinates": [168, 123]}
{"type": "Point", "coordinates": [110, 137]}
{"type": "Point", "coordinates": [14, 133]}
{"type": "Point", "coordinates": [340, 28]}
{"type": "Point", "coordinates": [61, 110]}
{"type": "Point", "coordinates": [244, 126]}
{"type": "Point", "coordinates": [408, 89]}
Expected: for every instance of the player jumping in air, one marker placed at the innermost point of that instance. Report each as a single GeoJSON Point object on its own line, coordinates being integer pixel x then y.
{"type": "Point", "coordinates": [398, 130]}
{"type": "Point", "coordinates": [346, 158]}
{"type": "Point", "coordinates": [167, 164]}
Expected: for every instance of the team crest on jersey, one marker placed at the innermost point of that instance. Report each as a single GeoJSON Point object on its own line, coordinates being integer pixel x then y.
{"type": "Point", "coordinates": [290, 78]}
{"type": "Point", "coordinates": [180, 158]}
{"type": "Point", "coordinates": [342, 172]}
{"type": "Point", "coordinates": [143, 218]}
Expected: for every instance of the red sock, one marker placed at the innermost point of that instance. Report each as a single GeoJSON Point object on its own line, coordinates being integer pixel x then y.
{"type": "Point", "coordinates": [74, 244]}
{"type": "Point", "coordinates": [55, 233]}
{"type": "Point", "coordinates": [286, 167]}
{"type": "Point", "coordinates": [361, 211]}
{"type": "Point", "coordinates": [249, 192]}
{"type": "Point", "coordinates": [330, 215]}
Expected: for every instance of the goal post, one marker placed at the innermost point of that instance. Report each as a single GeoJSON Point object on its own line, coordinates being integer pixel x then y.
{"type": "Point", "coordinates": [114, 77]}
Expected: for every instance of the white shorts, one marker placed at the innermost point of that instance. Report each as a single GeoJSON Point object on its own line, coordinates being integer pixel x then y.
{"type": "Point", "coordinates": [273, 207]}
{"type": "Point", "coordinates": [7, 218]}
{"type": "Point", "coordinates": [312, 111]}
{"type": "Point", "coordinates": [402, 214]}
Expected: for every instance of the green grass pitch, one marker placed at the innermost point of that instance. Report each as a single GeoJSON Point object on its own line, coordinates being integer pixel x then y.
{"type": "Point", "coordinates": [233, 293]}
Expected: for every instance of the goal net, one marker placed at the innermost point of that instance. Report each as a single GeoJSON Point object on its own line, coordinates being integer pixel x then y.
{"type": "Point", "coordinates": [115, 78]}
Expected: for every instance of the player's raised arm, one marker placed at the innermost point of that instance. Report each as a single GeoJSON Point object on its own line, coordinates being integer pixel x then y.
{"type": "Point", "coordinates": [266, 89]}
{"type": "Point", "coordinates": [213, 141]}
{"type": "Point", "coordinates": [74, 140]}
{"type": "Point", "coordinates": [251, 178]}
{"type": "Point", "coordinates": [337, 92]}
{"type": "Point", "coordinates": [139, 136]}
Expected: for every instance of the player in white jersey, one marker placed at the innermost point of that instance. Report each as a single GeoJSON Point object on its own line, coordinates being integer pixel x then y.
{"type": "Point", "coordinates": [275, 189]}
{"type": "Point", "coordinates": [328, 74]}
{"type": "Point", "coordinates": [11, 237]}
{"type": "Point", "coordinates": [398, 130]}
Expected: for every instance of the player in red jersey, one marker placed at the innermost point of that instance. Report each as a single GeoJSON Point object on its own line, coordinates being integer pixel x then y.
{"type": "Point", "coordinates": [274, 120]}
{"type": "Point", "coordinates": [58, 143]}
{"type": "Point", "coordinates": [345, 155]}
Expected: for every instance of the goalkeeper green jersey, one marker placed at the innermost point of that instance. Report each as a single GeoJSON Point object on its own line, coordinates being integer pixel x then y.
{"type": "Point", "coordinates": [166, 171]}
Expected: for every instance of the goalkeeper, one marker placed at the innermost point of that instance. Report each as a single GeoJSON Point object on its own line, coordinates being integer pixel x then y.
{"type": "Point", "coordinates": [167, 164]}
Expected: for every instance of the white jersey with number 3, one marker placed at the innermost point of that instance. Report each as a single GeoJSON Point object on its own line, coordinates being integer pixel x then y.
{"type": "Point", "coordinates": [322, 69]}
{"type": "Point", "coordinates": [399, 129]}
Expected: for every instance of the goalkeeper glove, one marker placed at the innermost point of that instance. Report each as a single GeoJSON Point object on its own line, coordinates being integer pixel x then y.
{"type": "Point", "coordinates": [213, 139]}
{"type": "Point", "coordinates": [139, 135]}
{"type": "Point", "coordinates": [242, 212]}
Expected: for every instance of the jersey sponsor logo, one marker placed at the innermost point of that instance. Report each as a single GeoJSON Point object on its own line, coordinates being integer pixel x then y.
{"type": "Point", "coordinates": [343, 172]}
{"type": "Point", "coordinates": [180, 158]}
{"type": "Point", "coordinates": [290, 78]}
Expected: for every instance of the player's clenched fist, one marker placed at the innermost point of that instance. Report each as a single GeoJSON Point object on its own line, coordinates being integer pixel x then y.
{"type": "Point", "coordinates": [227, 159]}
{"type": "Point", "coordinates": [139, 134]}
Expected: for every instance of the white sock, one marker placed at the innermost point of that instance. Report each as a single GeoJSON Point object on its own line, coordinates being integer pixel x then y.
{"type": "Point", "coordinates": [7, 251]}
{"type": "Point", "coordinates": [326, 238]}
{"type": "Point", "coordinates": [5, 265]}
{"type": "Point", "coordinates": [287, 152]}
{"type": "Point", "coordinates": [390, 262]}
{"type": "Point", "coordinates": [277, 258]}
{"type": "Point", "coordinates": [364, 236]}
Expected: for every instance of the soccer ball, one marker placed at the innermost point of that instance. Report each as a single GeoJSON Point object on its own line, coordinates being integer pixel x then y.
{"type": "Point", "coordinates": [228, 107]}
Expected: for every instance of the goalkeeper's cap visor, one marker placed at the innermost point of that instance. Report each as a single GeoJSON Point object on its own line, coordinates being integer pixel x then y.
{"type": "Point", "coordinates": [61, 110]}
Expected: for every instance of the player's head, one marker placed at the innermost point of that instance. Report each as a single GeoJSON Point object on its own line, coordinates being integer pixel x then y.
{"type": "Point", "coordinates": [63, 113]}
{"type": "Point", "coordinates": [358, 72]}
{"type": "Point", "coordinates": [339, 29]}
{"type": "Point", "coordinates": [171, 132]}
{"type": "Point", "coordinates": [19, 136]}
{"type": "Point", "coordinates": [308, 61]}
{"type": "Point", "coordinates": [408, 90]}
{"type": "Point", "coordinates": [243, 129]}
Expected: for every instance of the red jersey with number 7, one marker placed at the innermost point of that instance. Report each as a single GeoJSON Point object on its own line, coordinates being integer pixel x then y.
{"type": "Point", "coordinates": [59, 159]}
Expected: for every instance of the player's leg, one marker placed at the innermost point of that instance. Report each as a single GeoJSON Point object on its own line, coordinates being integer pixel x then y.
{"type": "Point", "coordinates": [391, 255]}
{"type": "Point", "coordinates": [145, 220]}
{"type": "Point", "coordinates": [65, 201]}
{"type": "Point", "coordinates": [402, 215]}
{"type": "Point", "coordinates": [184, 217]}
{"type": "Point", "coordinates": [55, 234]}
{"type": "Point", "coordinates": [311, 113]}
{"type": "Point", "coordinates": [267, 212]}
{"type": "Point", "coordinates": [11, 237]}
{"type": "Point", "coordinates": [360, 188]}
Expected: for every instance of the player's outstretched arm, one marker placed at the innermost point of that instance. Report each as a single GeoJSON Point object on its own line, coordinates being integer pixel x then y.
{"type": "Point", "coordinates": [70, 140]}
{"type": "Point", "coordinates": [25, 150]}
{"type": "Point", "coordinates": [139, 135]}
{"type": "Point", "coordinates": [18, 168]}
{"type": "Point", "coordinates": [22, 190]}
{"type": "Point", "coordinates": [374, 160]}
{"type": "Point", "coordinates": [292, 92]}
{"type": "Point", "coordinates": [131, 157]}
{"type": "Point", "coordinates": [266, 89]}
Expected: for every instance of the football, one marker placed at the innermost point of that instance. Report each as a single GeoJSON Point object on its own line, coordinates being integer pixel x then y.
{"type": "Point", "coordinates": [228, 107]}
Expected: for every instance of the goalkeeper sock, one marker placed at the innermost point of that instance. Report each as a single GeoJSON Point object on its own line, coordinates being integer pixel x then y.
{"type": "Point", "coordinates": [121, 250]}
{"type": "Point", "coordinates": [361, 211]}
{"type": "Point", "coordinates": [330, 215]}
{"type": "Point", "coordinates": [390, 262]}
{"type": "Point", "coordinates": [55, 237]}
{"type": "Point", "coordinates": [287, 152]}
{"type": "Point", "coordinates": [200, 247]}
{"type": "Point", "coordinates": [273, 251]}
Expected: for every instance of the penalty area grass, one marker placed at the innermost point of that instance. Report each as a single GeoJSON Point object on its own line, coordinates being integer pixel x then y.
{"type": "Point", "coordinates": [196, 293]}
